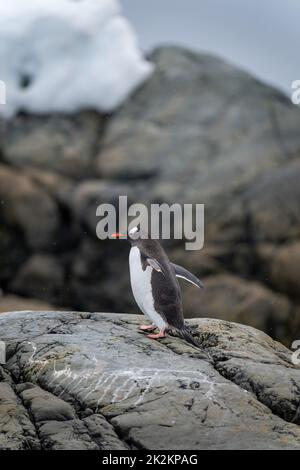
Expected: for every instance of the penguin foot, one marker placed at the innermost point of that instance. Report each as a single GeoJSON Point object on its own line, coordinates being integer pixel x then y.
{"type": "Point", "coordinates": [148, 327]}
{"type": "Point", "coordinates": [161, 334]}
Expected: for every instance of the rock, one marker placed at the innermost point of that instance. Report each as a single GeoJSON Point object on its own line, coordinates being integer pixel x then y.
{"type": "Point", "coordinates": [204, 127]}
{"type": "Point", "coordinates": [41, 277]}
{"type": "Point", "coordinates": [274, 215]}
{"type": "Point", "coordinates": [17, 430]}
{"type": "Point", "coordinates": [58, 187]}
{"type": "Point", "coordinates": [230, 298]}
{"type": "Point", "coordinates": [13, 250]}
{"type": "Point", "coordinates": [93, 381]}
{"type": "Point", "coordinates": [282, 266]}
{"type": "Point", "coordinates": [13, 302]}
{"type": "Point", "coordinates": [29, 220]}
{"type": "Point", "coordinates": [61, 143]}
{"type": "Point", "coordinates": [209, 261]}
{"type": "Point", "coordinates": [43, 405]}
{"type": "Point", "coordinates": [88, 195]}
{"type": "Point", "coordinates": [92, 272]}
{"type": "Point", "coordinates": [26, 209]}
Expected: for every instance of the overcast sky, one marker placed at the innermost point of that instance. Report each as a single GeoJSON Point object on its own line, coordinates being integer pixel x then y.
{"type": "Point", "coordinates": [261, 36]}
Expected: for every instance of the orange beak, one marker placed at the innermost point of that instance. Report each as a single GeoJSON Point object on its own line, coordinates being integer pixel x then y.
{"type": "Point", "coordinates": [118, 235]}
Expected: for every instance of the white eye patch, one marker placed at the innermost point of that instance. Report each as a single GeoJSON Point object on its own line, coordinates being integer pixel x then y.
{"type": "Point", "coordinates": [133, 231]}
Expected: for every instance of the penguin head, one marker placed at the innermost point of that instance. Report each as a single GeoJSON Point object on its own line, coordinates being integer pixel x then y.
{"type": "Point", "coordinates": [134, 235]}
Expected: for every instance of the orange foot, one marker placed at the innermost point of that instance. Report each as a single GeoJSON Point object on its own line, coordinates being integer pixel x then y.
{"type": "Point", "coordinates": [147, 327]}
{"type": "Point", "coordinates": [161, 334]}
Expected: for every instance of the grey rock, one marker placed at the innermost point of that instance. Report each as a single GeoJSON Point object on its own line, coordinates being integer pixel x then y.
{"type": "Point", "coordinates": [57, 435]}
{"type": "Point", "coordinates": [57, 186]}
{"type": "Point", "coordinates": [236, 359]}
{"type": "Point", "coordinates": [43, 405]}
{"type": "Point", "coordinates": [201, 125]}
{"type": "Point", "coordinates": [93, 381]}
{"type": "Point", "coordinates": [93, 269]}
{"type": "Point", "coordinates": [230, 298]}
{"type": "Point", "coordinates": [29, 220]}
{"type": "Point", "coordinates": [41, 277]}
{"type": "Point", "coordinates": [272, 204]}
{"type": "Point", "coordinates": [281, 265]}
{"type": "Point", "coordinates": [61, 143]}
{"type": "Point", "coordinates": [17, 430]}
{"type": "Point", "coordinates": [88, 195]}
{"type": "Point", "coordinates": [26, 209]}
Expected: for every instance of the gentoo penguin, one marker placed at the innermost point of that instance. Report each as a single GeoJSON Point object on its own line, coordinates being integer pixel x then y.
{"type": "Point", "coordinates": [155, 286]}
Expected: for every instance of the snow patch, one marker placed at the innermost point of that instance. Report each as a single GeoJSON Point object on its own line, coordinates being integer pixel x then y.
{"type": "Point", "coordinates": [64, 55]}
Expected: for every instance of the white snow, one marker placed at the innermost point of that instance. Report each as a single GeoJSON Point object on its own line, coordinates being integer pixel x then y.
{"type": "Point", "coordinates": [64, 55]}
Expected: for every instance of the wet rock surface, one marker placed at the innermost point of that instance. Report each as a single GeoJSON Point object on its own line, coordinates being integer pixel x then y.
{"type": "Point", "coordinates": [93, 381]}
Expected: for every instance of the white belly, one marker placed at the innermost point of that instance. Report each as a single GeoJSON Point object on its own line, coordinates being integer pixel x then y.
{"type": "Point", "coordinates": [142, 289]}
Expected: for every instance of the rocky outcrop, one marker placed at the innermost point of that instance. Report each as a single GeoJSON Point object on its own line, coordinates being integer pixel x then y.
{"type": "Point", "coordinates": [227, 296]}
{"type": "Point", "coordinates": [61, 143]}
{"type": "Point", "coordinates": [27, 209]}
{"type": "Point", "coordinates": [41, 276]}
{"type": "Point", "coordinates": [198, 131]}
{"type": "Point", "coordinates": [94, 381]}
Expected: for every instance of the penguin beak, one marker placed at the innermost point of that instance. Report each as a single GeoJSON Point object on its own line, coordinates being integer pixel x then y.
{"type": "Point", "coordinates": [118, 235]}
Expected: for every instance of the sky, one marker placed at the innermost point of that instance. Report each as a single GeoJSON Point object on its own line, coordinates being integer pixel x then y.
{"type": "Point", "coordinates": [260, 36]}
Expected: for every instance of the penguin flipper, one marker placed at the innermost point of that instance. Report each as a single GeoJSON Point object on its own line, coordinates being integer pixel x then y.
{"type": "Point", "coordinates": [185, 274]}
{"type": "Point", "coordinates": [155, 265]}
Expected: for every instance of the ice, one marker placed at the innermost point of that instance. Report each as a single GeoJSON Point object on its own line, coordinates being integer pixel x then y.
{"type": "Point", "coordinates": [64, 55]}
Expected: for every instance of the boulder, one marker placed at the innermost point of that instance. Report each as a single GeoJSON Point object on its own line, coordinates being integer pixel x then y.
{"type": "Point", "coordinates": [200, 130]}
{"type": "Point", "coordinates": [29, 220]}
{"type": "Point", "coordinates": [41, 277]}
{"type": "Point", "coordinates": [26, 208]}
{"type": "Point", "coordinates": [56, 142]}
{"type": "Point", "coordinates": [88, 195]}
{"type": "Point", "coordinates": [93, 381]}
{"type": "Point", "coordinates": [282, 266]}
{"type": "Point", "coordinates": [57, 186]}
{"type": "Point", "coordinates": [272, 205]}
{"type": "Point", "coordinates": [230, 298]}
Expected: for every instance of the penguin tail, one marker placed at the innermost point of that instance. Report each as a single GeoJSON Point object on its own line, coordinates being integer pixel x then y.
{"type": "Point", "coordinates": [186, 334]}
